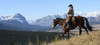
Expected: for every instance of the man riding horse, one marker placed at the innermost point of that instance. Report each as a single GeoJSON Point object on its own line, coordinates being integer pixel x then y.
{"type": "Point", "coordinates": [72, 22]}
{"type": "Point", "coordinates": [70, 14]}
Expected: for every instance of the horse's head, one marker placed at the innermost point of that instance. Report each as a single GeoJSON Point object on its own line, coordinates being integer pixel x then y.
{"type": "Point", "coordinates": [55, 22]}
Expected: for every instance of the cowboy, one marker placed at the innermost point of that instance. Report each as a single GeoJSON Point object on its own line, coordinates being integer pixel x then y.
{"type": "Point", "coordinates": [69, 15]}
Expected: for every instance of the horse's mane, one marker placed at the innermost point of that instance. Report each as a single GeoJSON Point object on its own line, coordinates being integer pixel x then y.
{"type": "Point", "coordinates": [60, 19]}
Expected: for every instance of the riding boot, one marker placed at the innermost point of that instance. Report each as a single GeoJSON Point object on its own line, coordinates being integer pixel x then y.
{"type": "Point", "coordinates": [68, 25]}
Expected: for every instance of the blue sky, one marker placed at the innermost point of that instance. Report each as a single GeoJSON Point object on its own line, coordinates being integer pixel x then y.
{"type": "Point", "coordinates": [35, 9]}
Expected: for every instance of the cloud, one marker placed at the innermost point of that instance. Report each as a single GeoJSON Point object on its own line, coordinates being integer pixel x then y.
{"type": "Point", "coordinates": [88, 14]}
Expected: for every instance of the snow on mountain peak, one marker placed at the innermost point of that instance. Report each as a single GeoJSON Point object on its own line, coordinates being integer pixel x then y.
{"type": "Point", "coordinates": [16, 16]}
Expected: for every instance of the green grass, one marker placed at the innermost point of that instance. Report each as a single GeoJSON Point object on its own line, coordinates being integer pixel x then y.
{"type": "Point", "coordinates": [25, 37]}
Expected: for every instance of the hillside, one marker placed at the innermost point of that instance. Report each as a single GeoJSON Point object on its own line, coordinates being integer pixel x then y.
{"type": "Point", "coordinates": [25, 37]}
{"type": "Point", "coordinates": [92, 39]}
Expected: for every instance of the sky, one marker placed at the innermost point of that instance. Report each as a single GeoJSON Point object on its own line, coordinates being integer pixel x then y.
{"type": "Point", "coordinates": [35, 9]}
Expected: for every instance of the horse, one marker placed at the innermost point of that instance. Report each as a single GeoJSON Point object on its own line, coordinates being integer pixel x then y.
{"type": "Point", "coordinates": [75, 21]}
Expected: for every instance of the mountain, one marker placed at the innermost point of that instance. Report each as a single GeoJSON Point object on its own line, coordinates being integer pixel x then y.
{"type": "Point", "coordinates": [47, 21]}
{"type": "Point", "coordinates": [16, 18]}
{"type": "Point", "coordinates": [94, 20]}
{"type": "Point", "coordinates": [18, 22]}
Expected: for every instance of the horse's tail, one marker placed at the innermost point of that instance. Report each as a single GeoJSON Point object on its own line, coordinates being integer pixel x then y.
{"type": "Point", "coordinates": [87, 24]}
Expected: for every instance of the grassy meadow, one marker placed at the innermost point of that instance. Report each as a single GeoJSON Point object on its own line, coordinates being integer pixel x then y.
{"type": "Point", "coordinates": [92, 39]}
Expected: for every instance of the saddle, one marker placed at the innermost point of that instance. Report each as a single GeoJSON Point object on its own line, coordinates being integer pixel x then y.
{"type": "Point", "coordinates": [73, 18]}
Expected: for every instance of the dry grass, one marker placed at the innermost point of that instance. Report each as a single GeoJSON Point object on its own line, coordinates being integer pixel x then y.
{"type": "Point", "coordinates": [92, 39]}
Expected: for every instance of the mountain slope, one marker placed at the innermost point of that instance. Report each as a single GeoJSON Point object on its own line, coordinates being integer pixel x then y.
{"type": "Point", "coordinates": [16, 17]}
{"type": "Point", "coordinates": [18, 22]}
{"type": "Point", "coordinates": [47, 21]}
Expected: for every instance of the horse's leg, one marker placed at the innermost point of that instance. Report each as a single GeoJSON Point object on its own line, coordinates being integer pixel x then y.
{"type": "Point", "coordinates": [80, 31]}
{"type": "Point", "coordinates": [64, 33]}
{"type": "Point", "coordinates": [68, 34]}
{"type": "Point", "coordinates": [85, 29]}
